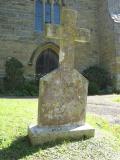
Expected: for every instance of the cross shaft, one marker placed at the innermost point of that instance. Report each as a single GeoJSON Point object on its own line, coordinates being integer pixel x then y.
{"type": "Point", "coordinates": [67, 33]}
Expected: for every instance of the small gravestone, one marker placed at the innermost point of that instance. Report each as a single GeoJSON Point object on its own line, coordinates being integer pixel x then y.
{"type": "Point", "coordinates": [63, 92]}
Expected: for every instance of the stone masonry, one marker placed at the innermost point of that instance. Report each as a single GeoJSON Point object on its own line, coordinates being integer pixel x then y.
{"type": "Point", "coordinates": [19, 39]}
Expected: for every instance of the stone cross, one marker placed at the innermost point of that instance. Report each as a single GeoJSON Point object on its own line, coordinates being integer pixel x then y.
{"type": "Point", "coordinates": [63, 92]}
{"type": "Point", "coordinates": [68, 34]}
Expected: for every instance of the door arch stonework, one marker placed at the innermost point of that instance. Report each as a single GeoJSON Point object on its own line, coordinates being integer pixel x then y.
{"type": "Point", "coordinates": [40, 49]}
{"type": "Point", "coordinates": [30, 70]}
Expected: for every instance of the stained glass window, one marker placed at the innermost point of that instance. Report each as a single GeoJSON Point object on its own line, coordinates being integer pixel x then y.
{"type": "Point", "coordinates": [39, 16]}
{"type": "Point", "coordinates": [56, 13]}
{"type": "Point", "coordinates": [47, 12]}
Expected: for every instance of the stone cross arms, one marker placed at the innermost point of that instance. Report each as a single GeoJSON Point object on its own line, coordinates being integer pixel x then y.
{"type": "Point", "coordinates": [67, 33]}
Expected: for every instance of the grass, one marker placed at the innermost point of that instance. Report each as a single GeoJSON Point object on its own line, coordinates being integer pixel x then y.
{"type": "Point", "coordinates": [117, 99]}
{"type": "Point", "coordinates": [17, 114]}
{"type": "Point", "coordinates": [104, 125]}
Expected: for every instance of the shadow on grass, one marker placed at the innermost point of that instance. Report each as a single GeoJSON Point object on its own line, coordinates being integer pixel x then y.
{"type": "Point", "coordinates": [21, 148]}
{"type": "Point", "coordinates": [18, 149]}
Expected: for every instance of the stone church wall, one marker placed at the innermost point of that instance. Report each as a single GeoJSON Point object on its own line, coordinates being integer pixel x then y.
{"type": "Point", "coordinates": [16, 30]}
{"type": "Point", "coordinates": [106, 37]}
{"type": "Point", "coordinates": [18, 38]}
{"type": "Point", "coordinates": [87, 54]}
{"type": "Point", "coordinates": [117, 46]}
{"type": "Point", "coordinates": [109, 34]}
{"type": "Point", "coordinates": [114, 9]}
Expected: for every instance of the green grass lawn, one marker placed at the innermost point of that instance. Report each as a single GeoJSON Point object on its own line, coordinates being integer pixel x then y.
{"type": "Point", "coordinates": [17, 114]}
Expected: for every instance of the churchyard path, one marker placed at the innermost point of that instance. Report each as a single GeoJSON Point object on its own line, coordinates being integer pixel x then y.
{"type": "Point", "coordinates": [105, 106]}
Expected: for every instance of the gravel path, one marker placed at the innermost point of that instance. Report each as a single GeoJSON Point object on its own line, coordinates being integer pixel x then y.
{"type": "Point", "coordinates": [104, 106]}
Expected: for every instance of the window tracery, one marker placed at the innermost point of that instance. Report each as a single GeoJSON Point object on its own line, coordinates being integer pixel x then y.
{"type": "Point", "coordinates": [47, 11]}
{"type": "Point", "coordinates": [39, 15]}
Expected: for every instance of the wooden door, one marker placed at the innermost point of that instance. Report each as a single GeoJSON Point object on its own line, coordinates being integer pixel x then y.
{"type": "Point", "coordinates": [47, 61]}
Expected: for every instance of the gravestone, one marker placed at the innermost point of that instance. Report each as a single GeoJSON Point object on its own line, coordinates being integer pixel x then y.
{"type": "Point", "coordinates": [63, 92]}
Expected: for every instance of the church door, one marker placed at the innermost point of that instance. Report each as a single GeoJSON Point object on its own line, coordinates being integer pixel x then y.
{"type": "Point", "coordinates": [47, 61]}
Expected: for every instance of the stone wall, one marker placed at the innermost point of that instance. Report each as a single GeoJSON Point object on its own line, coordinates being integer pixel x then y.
{"type": "Point", "coordinates": [109, 38]}
{"type": "Point", "coordinates": [114, 9]}
{"type": "Point", "coordinates": [17, 35]}
{"type": "Point", "coordinates": [117, 46]}
{"type": "Point", "coordinates": [87, 54]}
{"type": "Point", "coordinates": [19, 39]}
{"type": "Point", "coordinates": [106, 37]}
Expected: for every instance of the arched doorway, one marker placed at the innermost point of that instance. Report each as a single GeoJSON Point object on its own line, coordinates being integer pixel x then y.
{"type": "Point", "coordinates": [46, 62]}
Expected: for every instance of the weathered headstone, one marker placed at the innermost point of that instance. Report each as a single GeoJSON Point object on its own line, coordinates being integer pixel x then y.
{"type": "Point", "coordinates": [63, 92]}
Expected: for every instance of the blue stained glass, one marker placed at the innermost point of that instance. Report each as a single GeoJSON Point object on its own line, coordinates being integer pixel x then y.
{"type": "Point", "coordinates": [47, 13]}
{"type": "Point", "coordinates": [56, 13]}
{"type": "Point", "coordinates": [39, 16]}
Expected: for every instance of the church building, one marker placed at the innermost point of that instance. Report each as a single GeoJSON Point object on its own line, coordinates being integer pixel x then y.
{"type": "Point", "coordinates": [22, 35]}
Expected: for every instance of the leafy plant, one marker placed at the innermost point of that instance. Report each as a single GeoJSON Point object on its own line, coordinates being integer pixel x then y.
{"type": "Point", "coordinates": [14, 73]}
{"type": "Point", "coordinates": [99, 80]}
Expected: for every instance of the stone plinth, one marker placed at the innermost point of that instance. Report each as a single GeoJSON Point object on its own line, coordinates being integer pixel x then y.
{"type": "Point", "coordinates": [40, 135]}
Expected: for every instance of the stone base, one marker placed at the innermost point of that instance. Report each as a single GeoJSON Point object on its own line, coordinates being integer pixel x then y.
{"type": "Point", "coordinates": [40, 135]}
